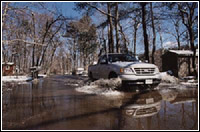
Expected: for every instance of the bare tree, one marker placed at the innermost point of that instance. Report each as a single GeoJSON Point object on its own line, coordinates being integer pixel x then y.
{"type": "Point", "coordinates": [110, 37]}
{"type": "Point", "coordinates": [189, 18]}
{"type": "Point", "coordinates": [175, 19]}
{"type": "Point", "coordinates": [135, 29]}
{"type": "Point", "coordinates": [116, 27]}
{"type": "Point", "coordinates": [154, 33]}
{"type": "Point", "coordinates": [146, 43]}
{"type": "Point", "coordinates": [27, 36]}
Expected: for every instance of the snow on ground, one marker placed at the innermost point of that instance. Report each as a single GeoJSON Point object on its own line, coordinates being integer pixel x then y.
{"type": "Point", "coordinates": [188, 83]}
{"type": "Point", "coordinates": [42, 75]}
{"type": "Point", "coordinates": [104, 87]}
{"type": "Point", "coordinates": [108, 83]}
{"type": "Point", "coordinates": [178, 86]}
{"type": "Point", "coordinates": [16, 78]}
{"type": "Point", "coordinates": [168, 79]}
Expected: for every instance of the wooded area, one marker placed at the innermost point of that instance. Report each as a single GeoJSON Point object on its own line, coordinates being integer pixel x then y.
{"type": "Point", "coordinates": [34, 35]}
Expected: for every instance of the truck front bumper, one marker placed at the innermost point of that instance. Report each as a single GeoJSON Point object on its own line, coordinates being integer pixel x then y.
{"type": "Point", "coordinates": [139, 79]}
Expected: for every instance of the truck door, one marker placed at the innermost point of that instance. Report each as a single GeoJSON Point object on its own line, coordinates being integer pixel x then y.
{"type": "Point", "coordinates": [103, 66]}
{"type": "Point", "coordinates": [96, 70]}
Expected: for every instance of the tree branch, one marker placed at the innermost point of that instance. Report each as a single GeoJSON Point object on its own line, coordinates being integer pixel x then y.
{"type": "Point", "coordinates": [12, 41]}
{"type": "Point", "coordinates": [101, 11]}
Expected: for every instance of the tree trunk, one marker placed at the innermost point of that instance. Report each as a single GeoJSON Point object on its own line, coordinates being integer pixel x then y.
{"type": "Point", "coordinates": [146, 43]}
{"type": "Point", "coordinates": [178, 35]}
{"type": "Point", "coordinates": [178, 41]}
{"type": "Point", "coordinates": [33, 51]}
{"type": "Point", "coordinates": [154, 34]}
{"type": "Point", "coordinates": [109, 44]}
{"type": "Point", "coordinates": [161, 39]}
{"type": "Point", "coordinates": [5, 13]}
{"type": "Point", "coordinates": [134, 42]}
{"type": "Point", "coordinates": [193, 49]}
{"type": "Point", "coordinates": [124, 39]}
{"type": "Point", "coordinates": [111, 41]}
{"type": "Point", "coordinates": [116, 27]}
{"type": "Point", "coordinates": [136, 26]}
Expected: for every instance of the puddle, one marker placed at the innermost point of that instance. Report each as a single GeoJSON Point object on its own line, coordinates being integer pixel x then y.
{"type": "Point", "coordinates": [53, 105]}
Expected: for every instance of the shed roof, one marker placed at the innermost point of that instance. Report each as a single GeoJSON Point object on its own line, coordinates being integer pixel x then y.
{"type": "Point", "coordinates": [184, 52]}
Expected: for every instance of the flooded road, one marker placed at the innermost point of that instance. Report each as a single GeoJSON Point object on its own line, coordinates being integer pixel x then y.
{"type": "Point", "coordinates": [54, 104]}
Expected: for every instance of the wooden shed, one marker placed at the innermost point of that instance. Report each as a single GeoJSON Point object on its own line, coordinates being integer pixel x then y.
{"type": "Point", "coordinates": [8, 68]}
{"type": "Point", "coordinates": [179, 62]}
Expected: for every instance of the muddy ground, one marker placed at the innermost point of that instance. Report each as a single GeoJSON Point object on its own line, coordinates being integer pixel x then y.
{"type": "Point", "coordinates": [73, 103]}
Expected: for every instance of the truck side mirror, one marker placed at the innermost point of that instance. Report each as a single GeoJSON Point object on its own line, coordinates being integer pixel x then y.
{"type": "Point", "coordinates": [104, 62]}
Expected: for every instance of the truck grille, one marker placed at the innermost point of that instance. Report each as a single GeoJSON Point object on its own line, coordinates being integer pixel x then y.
{"type": "Point", "coordinates": [144, 71]}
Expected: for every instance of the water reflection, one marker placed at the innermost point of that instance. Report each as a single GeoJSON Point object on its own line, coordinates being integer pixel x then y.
{"type": "Point", "coordinates": [145, 104]}
{"type": "Point", "coordinates": [161, 109]}
{"type": "Point", "coordinates": [52, 105]}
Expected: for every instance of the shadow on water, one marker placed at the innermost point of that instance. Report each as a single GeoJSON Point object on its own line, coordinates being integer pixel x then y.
{"type": "Point", "coordinates": [52, 105]}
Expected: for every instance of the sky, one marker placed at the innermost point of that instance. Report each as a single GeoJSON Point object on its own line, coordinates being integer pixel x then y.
{"type": "Point", "coordinates": [67, 9]}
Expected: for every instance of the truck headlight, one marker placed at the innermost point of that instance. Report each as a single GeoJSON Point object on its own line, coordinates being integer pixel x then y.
{"type": "Point", "coordinates": [126, 70]}
{"type": "Point", "coordinates": [130, 112]}
{"type": "Point", "coordinates": [156, 70]}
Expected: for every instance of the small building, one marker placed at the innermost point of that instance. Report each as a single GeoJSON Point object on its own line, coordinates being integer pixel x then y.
{"type": "Point", "coordinates": [179, 62]}
{"type": "Point", "coordinates": [80, 71]}
{"type": "Point", "coordinates": [8, 68]}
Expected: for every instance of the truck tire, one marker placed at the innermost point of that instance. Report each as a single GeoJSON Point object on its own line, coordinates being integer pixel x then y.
{"type": "Point", "coordinates": [112, 75]}
{"type": "Point", "coordinates": [91, 76]}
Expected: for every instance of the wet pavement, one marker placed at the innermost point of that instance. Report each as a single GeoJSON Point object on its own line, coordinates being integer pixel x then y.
{"type": "Point", "coordinates": [54, 104]}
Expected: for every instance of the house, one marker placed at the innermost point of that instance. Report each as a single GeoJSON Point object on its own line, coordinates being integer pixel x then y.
{"type": "Point", "coordinates": [179, 62]}
{"type": "Point", "coordinates": [8, 68]}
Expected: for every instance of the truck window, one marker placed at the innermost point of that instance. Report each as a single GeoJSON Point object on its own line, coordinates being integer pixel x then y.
{"type": "Point", "coordinates": [103, 60]}
{"type": "Point", "coordinates": [122, 58]}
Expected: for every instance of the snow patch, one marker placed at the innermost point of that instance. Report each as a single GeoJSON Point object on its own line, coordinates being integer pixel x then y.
{"type": "Point", "coordinates": [108, 83]}
{"type": "Point", "coordinates": [104, 87]}
{"type": "Point", "coordinates": [168, 79]}
{"type": "Point", "coordinates": [15, 78]}
{"type": "Point", "coordinates": [189, 83]}
{"type": "Point", "coordinates": [74, 84]}
{"type": "Point", "coordinates": [88, 89]}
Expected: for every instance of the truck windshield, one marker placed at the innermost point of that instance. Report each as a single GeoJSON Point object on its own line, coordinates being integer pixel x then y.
{"type": "Point", "coordinates": [122, 57]}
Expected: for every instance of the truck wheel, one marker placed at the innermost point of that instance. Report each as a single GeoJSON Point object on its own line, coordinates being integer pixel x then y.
{"type": "Point", "coordinates": [112, 75]}
{"type": "Point", "coordinates": [91, 76]}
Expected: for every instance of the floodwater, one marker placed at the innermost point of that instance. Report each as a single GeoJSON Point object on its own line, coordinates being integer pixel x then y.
{"type": "Point", "coordinates": [55, 104]}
